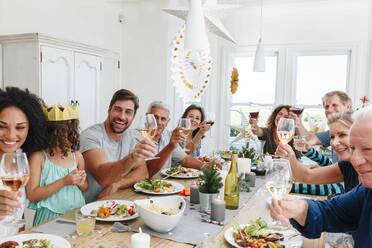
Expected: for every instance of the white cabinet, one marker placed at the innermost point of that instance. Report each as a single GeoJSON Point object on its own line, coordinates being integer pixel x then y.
{"type": "Point", "coordinates": [59, 71]}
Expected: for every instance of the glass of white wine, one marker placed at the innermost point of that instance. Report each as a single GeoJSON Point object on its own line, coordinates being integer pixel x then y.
{"type": "Point", "coordinates": [285, 130]}
{"type": "Point", "coordinates": [14, 174]}
{"type": "Point", "coordinates": [279, 185]}
{"type": "Point", "coordinates": [148, 127]}
{"type": "Point", "coordinates": [185, 125]}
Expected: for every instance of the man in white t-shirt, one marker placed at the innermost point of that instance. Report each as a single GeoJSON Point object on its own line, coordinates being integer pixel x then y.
{"type": "Point", "coordinates": [168, 147]}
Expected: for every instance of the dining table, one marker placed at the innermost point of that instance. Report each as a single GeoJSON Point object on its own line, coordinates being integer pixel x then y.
{"type": "Point", "coordinates": [104, 237]}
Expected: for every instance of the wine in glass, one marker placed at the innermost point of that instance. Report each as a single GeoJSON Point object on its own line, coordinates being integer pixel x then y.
{"type": "Point", "coordinates": [185, 125]}
{"type": "Point", "coordinates": [285, 130]}
{"type": "Point", "coordinates": [297, 109]}
{"type": "Point", "coordinates": [14, 175]}
{"type": "Point", "coordinates": [148, 127]}
{"type": "Point", "coordinates": [279, 185]}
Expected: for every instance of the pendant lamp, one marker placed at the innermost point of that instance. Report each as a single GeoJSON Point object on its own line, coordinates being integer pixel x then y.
{"type": "Point", "coordinates": [259, 58]}
{"type": "Point", "coordinates": [195, 33]}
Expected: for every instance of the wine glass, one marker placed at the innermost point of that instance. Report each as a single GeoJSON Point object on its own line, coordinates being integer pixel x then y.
{"type": "Point", "coordinates": [296, 109]}
{"type": "Point", "coordinates": [285, 130]}
{"type": "Point", "coordinates": [14, 175]}
{"type": "Point", "coordinates": [185, 125]}
{"type": "Point", "coordinates": [279, 185]}
{"type": "Point", "coordinates": [147, 126]}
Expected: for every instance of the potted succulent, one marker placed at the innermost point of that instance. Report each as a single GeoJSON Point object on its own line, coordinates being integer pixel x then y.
{"type": "Point", "coordinates": [210, 184]}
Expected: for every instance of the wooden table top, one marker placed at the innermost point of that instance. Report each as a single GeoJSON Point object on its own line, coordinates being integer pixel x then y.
{"type": "Point", "coordinates": [104, 238]}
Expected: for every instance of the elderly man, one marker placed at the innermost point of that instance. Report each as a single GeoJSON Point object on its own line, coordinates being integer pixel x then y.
{"type": "Point", "coordinates": [113, 156]}
{"type": "Point", "coordinates": [168, 143]}
{"type": "Point", "coordinates": [350, 212]}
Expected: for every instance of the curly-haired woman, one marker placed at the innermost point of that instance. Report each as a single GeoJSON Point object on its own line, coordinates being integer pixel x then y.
{"type": "Point", "coordinates": [57, 173]}
{"type": "Point", "coordinates": [269, 133]}
{"type": "Point", "coordinates": [22, 126]}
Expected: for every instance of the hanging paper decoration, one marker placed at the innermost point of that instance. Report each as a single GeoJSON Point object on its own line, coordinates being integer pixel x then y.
{"type": "Point", "coordinates": [234, 83]}
{"type": "Point", "coordinates": [190, 70]}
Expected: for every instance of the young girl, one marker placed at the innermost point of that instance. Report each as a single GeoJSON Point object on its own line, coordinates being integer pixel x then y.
{"type": "Point", "coordinates": [57, 174]}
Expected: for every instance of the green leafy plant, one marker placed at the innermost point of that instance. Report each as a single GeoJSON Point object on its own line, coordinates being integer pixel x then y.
{"type": "Point", "coordinates": [210, 181]}
{"type": "Point", "coordinates": [247, 152]}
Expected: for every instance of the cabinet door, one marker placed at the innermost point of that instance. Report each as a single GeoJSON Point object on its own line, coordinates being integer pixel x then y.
{"type": "Point", "coordinates": [87, 75]}
{"type": "Point", "coordinates": [57, 70]}
{"type": "Point", "coordinates": [110, 82]}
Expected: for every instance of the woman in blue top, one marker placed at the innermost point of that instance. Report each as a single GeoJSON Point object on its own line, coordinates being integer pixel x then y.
{"type": "Point", "coordinates": [57, 174]}
{"type": "Point", "coordinates": [199, 126]}
{"type": "Point", "coordinates": [339, 127]}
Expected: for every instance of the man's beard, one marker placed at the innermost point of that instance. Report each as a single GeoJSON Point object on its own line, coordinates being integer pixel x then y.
{"type": "Point", "coordinates": [115, 130]}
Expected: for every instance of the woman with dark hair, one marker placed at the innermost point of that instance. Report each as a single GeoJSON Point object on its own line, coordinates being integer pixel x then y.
{"type": "Point", "coordinates": [269, 133]}
{"type": "Point", "coordinates": [199, 126]}
{"type": "Point", "coordinates": [22, 126]}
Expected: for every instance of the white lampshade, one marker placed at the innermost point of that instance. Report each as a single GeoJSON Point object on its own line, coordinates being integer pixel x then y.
{"type": "Point", "coordinates": [259, 59]}
{"type": "Point", "coordinates": [195, 33]}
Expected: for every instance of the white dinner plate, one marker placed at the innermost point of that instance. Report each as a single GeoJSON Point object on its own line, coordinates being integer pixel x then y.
{"type": "Point", "coordinates": [57, 241]}
{"type": "Point", "coordinates": [178, 188]}
{"type": "Point", "coordinates": [194, 171]}
{"type": "Point", "coordinates": [87, 209]}
{"type": "Point", "coordinates": [294, 242]}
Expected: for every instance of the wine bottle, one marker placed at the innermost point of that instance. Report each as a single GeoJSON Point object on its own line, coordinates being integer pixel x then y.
{"type": "Point", "coordinates": [232, 184]}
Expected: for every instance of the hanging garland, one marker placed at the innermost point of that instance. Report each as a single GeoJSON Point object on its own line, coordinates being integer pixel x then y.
{"type": "Point", "coordinates": [190, 70]}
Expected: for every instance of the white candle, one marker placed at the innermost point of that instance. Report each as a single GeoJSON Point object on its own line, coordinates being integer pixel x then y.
{"type": "Point", "coordinates": [140, 240]}
{"type": "Point", "coordinates": [218, 209]}
{"type": "Point", "coordinates": [194, 194]}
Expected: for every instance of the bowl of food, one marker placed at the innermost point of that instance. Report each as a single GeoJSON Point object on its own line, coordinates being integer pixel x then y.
{"type": "Point", "coordinates": [161, 214]}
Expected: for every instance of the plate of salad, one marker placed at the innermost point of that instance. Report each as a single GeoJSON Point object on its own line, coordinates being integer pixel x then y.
{"type": "Point", "coordinates": [110, 210]}
{"type": "Point", "coordinates": [256, 234]}
{"type": "Point", "coordinates": [33, 240]}
{"type": "Point", "coordinates": [181, 172]}
{"type": "Point", "coordinates": [158, 187]}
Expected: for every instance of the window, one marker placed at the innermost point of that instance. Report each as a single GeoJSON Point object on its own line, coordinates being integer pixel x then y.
{"type": "Point", "coordinates": [319, 74]}
{"type": "Point", "coordinates": [256, 91]}
{"type": "Point", "coordinates": [323, 73]}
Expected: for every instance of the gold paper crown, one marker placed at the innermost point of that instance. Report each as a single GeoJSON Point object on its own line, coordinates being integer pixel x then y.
{"type": "Point", "coordinates": [62, 113]}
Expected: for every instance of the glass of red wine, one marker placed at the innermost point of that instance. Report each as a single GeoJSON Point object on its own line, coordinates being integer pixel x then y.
{"type": "Point", "coordinates": [14, 175]}
{"type": "Point", "coordinates": [254, 114]}
{"type": "Point", "coordinates": [297, 110]}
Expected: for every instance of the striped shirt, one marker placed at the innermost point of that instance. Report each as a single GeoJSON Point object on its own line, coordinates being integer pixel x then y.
{"type": "Point", "coordinates": [318, 189]}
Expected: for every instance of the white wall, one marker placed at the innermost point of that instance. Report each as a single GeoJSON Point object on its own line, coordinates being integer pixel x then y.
{"type": "Point", "coordinates": [93, 22]}
{"type": "Point", "coordinates": [145, 51]}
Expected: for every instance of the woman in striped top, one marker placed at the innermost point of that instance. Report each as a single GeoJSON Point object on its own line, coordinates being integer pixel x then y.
{"type": "Point", "coordinates": [339, 125]}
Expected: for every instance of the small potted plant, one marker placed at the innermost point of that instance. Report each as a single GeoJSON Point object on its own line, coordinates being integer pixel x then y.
{"type": "Point", "coordinates": [210, 184]}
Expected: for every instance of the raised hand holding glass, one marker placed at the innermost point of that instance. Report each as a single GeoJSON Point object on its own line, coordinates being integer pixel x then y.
{"type": "Point", "coordinates": [14, 174]}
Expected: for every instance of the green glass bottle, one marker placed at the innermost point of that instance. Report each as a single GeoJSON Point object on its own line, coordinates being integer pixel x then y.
{"type": "Point", "coordinates": [232, 184]}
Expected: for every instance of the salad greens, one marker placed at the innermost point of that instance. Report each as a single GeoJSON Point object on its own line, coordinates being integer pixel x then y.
{"type": "Point", "coordinates": [156, 185]}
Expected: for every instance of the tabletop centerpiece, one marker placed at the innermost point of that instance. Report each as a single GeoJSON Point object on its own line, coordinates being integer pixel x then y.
{"type": "Point", "coordinates": [210, 183]}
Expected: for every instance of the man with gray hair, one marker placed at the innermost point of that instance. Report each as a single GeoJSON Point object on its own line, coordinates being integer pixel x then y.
{"type": "Point", "coordinates": [350, 212]}
{"type": "Point", "coordinates": [168, 147]}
